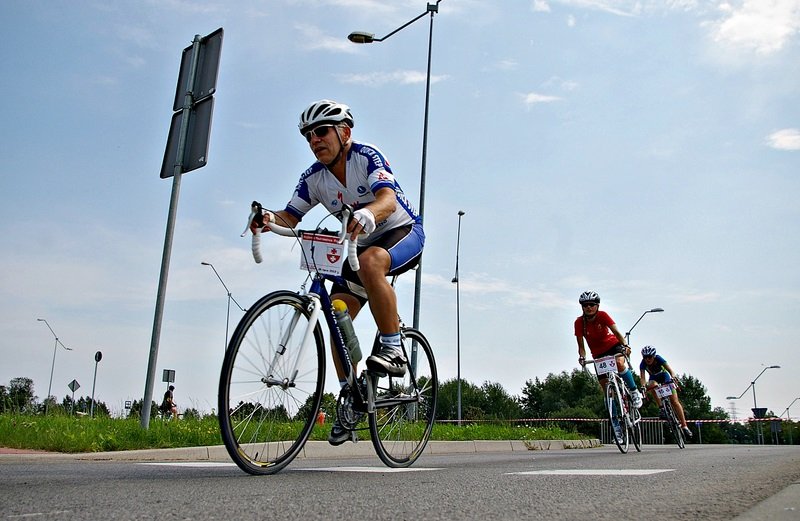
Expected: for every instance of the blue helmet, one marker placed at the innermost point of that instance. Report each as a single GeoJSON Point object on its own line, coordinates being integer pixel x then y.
{"type": "Point", "coordinates": [648, 351]}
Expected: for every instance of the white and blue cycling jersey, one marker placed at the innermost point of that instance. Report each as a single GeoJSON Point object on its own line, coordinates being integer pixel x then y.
{"type": "Point", "coordinates": [367, 172]}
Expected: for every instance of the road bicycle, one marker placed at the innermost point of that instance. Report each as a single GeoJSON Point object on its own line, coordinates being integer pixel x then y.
{"type": "Point", "coordinates": [664, 392]}
{"type": "Point", "coordinates": [625, 419]}
{"type": "Point", "coordinates": [273, 373]}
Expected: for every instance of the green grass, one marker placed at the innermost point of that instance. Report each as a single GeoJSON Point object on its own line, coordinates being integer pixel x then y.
{"type": "Point", "coordinates": [59, 433]}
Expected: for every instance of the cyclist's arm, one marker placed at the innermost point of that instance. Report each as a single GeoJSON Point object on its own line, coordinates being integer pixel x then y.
{"type": "Point", "coordinates": [613, 328]}
{"type": "Point", "coordinates": [382, 207]}
{"type": "Point", "coordinates": [581, 349]}
{"type": "Point", "coordinates": [668, 369]}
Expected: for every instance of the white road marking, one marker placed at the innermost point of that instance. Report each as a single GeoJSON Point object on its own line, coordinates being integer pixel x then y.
{"type": "Point", "coordinates": [313, 469]}
{"type": "Point", "coordinates": [191, 463]}
{"type": "Point", "coordinates": [591, 472]}
{"type": "Point", "coordinates": [364, 469]}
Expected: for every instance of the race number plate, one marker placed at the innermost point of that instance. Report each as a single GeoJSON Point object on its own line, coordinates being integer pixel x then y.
{"type": "Point", "coordinates": [664, 391]}
{"type": "Point", "coordinates": [322, 253]}
{"type": "Point", "coordinates": [606, 365]}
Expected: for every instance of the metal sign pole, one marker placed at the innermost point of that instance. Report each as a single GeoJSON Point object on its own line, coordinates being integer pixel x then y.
{"type": "Point", "coordinates": [173, 210]}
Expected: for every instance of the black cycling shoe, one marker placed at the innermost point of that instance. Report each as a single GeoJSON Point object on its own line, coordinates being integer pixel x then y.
{"type": "Point", "coordinates": [339, 434]}
{"type": "Point", "coordinates": [389, 360]}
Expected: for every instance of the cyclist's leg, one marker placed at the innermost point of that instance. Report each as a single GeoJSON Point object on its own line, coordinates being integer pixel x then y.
{"type": "Point", "coordinates": [394, 252]}
{"type": "Point", "coordinates": [655, 381]}
{"type": "Point", "coordinates": [375, 264]}
{"type": "Point", "coordinates": [354, 304]}
{"type": "Point", "coordinates": [676, 404]}
{"type": "Point", "coordinates": [626, 374]}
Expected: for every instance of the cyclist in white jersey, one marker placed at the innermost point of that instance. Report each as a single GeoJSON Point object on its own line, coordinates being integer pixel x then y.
{"type": "Point", "coordinates": [347, 172]}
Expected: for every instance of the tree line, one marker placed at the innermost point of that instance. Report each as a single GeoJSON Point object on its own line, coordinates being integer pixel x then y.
{"type": "Point", "coordinates": [570, 395]}
{"type": "Point", "coordinates": [19, 398]}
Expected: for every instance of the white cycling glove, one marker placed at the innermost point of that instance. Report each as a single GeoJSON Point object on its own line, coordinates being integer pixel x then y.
{"type": "Point", "coordinates": [366, 219]}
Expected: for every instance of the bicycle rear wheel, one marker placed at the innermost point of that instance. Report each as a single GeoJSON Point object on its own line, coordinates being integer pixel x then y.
{"type": "Point", "coordinates": [405, 407]}
{"type": "Point", "coordinates": [269, 389]}
{"type": "Point", "coordinates": [616, 416]}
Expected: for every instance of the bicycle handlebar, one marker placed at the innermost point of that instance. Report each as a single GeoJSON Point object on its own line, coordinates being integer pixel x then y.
{"type": "Point", "coordinates": [591, 361]}
{"type": "Point", "coordinates": [257, 214]}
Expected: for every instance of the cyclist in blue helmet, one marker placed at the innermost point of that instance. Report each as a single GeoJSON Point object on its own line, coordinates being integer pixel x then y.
{"type": "Point", "coordinates": [660, 372]}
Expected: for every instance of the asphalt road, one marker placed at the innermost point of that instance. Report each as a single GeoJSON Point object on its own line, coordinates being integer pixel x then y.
{"type": "Point", "coordinates": [706, 482]}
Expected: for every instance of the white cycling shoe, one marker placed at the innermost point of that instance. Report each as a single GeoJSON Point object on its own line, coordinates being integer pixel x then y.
{"type": "Point", "coordinates": [636, 396]}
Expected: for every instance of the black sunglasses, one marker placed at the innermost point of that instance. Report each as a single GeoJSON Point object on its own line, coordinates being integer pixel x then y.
{"type": "Point", "coordinates": [320, 131]}
{"type": "Point", "coordinates": [589, 304]}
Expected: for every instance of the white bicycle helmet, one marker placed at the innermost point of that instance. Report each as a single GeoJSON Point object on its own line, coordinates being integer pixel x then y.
{"type": "Point", "coordinates": [325, 111]}
{"type": "Point", "coordinates": [648, 351]}
{"type": "Point", "coordinates": [589, 296]}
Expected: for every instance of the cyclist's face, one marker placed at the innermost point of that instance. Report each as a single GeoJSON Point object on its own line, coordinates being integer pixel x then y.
{"type": "Point", "coordinates": [326, 147]}
{"type": "Point", "coordinates": [589, 309]}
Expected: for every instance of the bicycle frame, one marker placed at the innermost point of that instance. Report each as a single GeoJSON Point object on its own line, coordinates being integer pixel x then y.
{"type": "Point", "coordinates": [607, 366]}
{"type": "Point", "coordinates": [321, 300]}
{"type": "Point", "coordinates": [665, 393]}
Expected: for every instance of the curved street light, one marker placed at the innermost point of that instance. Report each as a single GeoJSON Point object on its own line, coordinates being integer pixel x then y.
{"type": "Point", "coordinates": [789, 419]}
{"type": "Point", "coordinates": [365, 37]}
{"type": "Point", "coordinates": [53, 366]}
{"type": "Point", "coordinates": [786, 411]}
{"type": "Point", "coordinates": [760, 437]}
{"type": "Point", "coordinates": [628, 334]}
{"type": "Point", "coordinates": [458, 316]}
{"type": "Point", "coordinates": [230, 297]}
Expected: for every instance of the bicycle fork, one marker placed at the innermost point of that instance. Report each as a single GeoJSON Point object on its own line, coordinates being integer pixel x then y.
{"type": "Point", "coordinates": [280, 350]}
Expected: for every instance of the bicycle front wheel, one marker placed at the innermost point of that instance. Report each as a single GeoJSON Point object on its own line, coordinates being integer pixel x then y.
{"type": "Point", "coordinates": [270, 387]}
{"type": "Point", "coordinates": [674, 424]}
{"type": "Point", "coordinates": [636, 424]}
{"type": "Point", "coordinates": [616, 416]}
{"type": "Point", "coordinates": [405, 407]}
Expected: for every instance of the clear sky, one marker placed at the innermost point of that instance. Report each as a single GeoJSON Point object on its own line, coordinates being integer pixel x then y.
{"type": "Point", "coordinates": [647, 150]}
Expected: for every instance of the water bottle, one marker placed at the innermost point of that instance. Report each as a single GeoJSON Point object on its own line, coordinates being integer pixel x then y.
{"type": "Point", "coordinates": [349, 334]}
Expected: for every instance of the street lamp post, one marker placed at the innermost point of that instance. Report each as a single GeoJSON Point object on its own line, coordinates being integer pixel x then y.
{"type": "Point", "coordinates": [756, 412]}
{"type": "Point", "coordinates": [458, 316]}
{"type": "Point", "coordinates": [53, 366]}
{"type": "Point", "coordinates": [628, 334]}
{"type": "Point", "coordinates": [364, 37]}
{"type": "Point", "coordinates": [789, 418]}
{"type": "Point", "coordinates": [97, 357]}
{"type": "Point", "coordinates": [230, 297]}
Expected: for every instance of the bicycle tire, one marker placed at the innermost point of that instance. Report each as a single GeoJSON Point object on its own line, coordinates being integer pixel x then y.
{"type": "Point", "coordinates": [672, 423]}
{"type": "Point", "coordinates": [405, 407]}
{"type": "Point", "coordinates": [269, 389]}
{"type": "Point", "coordinates": [676, 427]}
{"type": "Point", "coordinates": [636, 424]}
{"type": "Point", "coordinates": [616, 416]}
